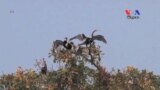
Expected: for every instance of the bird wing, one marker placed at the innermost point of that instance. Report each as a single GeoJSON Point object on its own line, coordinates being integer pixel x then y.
{"type": "Point", "coordinates": [57, 43]}
{"type": "Point", "coordinates": [80, 37]}
{"type": "Point", "coordinates": [100, 38]}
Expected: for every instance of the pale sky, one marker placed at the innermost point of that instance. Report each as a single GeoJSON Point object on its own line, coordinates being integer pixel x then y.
{"type": "Point", "coordinates": [28, 28]}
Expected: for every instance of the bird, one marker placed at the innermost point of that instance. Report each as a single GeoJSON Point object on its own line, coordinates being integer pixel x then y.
{"type": "Point", "coordinates": [89, 40]}
{"type": "Point", "coordinates": [66, 44]}
{"type": "Point", "coordinates": [44, 68]}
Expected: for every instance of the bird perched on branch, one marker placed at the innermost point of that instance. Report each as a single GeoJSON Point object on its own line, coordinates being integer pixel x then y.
{"type": "Point", "coordinates": [89, 40]}
{"type": "Point", "coordinates": [44, 67]}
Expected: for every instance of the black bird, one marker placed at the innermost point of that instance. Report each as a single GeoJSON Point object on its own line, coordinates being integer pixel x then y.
{"type": "Point", "coordinates": [44, 68]}
{"type": "Point", "coordinates": [68, 45]}
{"type": "Point", "coordinates": [89, 40]}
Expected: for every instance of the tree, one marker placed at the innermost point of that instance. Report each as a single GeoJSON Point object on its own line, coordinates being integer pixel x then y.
{"type": "Point", "coordinates": [80, 70]}
{"type": "Point", "coordinates": [77, 72]}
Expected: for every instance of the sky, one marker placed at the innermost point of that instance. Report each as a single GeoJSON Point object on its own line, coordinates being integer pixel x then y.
{"type": "Point", "coordinates": [29, 27]}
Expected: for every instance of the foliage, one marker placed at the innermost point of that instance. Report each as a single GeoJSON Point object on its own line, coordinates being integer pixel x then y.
{"type": "Point", "coordinates": [80, 70]}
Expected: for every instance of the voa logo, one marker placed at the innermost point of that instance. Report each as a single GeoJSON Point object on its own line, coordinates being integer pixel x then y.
{"type": "Point", "coordinates": [132, 14]}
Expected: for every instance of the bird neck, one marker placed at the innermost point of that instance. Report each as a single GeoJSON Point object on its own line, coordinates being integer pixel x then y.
{"type": "Point", "coordinates": [93, 33]}
{"type": "Point", "coordinates": [66, 39]}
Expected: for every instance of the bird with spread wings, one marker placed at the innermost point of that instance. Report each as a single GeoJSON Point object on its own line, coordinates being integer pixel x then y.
{"type": "Point", "coordinates": [89, 40]}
